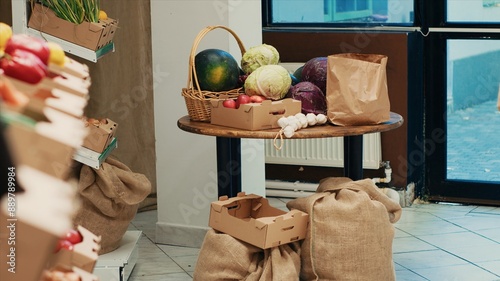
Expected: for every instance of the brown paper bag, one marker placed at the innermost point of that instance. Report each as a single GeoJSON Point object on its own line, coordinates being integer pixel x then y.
{"type": "Point", "coordinates": [356, 89]}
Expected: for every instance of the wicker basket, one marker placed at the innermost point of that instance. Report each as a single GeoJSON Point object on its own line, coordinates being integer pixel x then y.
{"type": "Point", "coordinates": [198, 101]}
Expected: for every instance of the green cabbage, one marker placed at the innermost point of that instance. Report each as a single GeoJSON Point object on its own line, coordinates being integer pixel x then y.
{"type": "Point", "coordinates": [258, 56]}
{"type": "Point", "coordinates": [270, 81]}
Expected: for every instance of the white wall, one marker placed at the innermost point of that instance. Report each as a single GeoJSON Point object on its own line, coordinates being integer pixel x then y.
{"type": "Point", "coordinates": [186, 163]}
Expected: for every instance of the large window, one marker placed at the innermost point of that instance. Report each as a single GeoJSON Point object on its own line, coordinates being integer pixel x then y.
{"type": "Point", "coordinates": [451, 114]}
{"type": "Point", "coordinates": [376, 12]}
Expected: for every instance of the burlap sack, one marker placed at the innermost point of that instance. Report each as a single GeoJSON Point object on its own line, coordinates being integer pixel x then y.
{"type": "Point", "coordinates": [350, 231]}
{"type": "Point", "coordinates": [356, 89]}
{"type": "Point", "coordinates": [223, 257]}
{"type": "Point", "coordinates": [110, 198]}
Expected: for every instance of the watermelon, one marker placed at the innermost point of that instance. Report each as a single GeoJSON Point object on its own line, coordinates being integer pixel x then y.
{"type": "Point", "coordinates": [217, 70]}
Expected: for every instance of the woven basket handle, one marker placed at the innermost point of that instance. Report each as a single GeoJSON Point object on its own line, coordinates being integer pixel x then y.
{"type": "Point", "coordinates": [192, 77]}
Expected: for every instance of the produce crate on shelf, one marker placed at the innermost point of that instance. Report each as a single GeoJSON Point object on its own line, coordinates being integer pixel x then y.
{"type": "Point", "coordinates": [89, 35]}
{"type": "Point", "coordinates": [83, 255]}
{"type": "Point", "coordinates": [100, 134]}
{"type": "Point", "coordinates": [41, 124]}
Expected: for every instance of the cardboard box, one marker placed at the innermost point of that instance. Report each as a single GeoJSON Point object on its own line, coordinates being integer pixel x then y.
{"type": "Point", "coordinates": [68, 83]}
{"type": "Point", "coordinates": [251, 219]}
{"type": "Point", "coordinates": [100, 136]}
{"type": "Point", "coordinates": [32, 222]}
{"type": "Point", "coordinates": [82, 274]}
{"type": "Point", "coordinates": [71, 67]}
{"type": "Point", "coordinates": [84, 254]}
{"type": "Point", "coordinates": [44, 140]}
{"type": "Point", "coordinates": [59, 100]}
{"type": "Point", "coordinates": [25, 260]}
{"type": "Point", "coordinates": [253, 116]}
{"type": "Point", "coordinates": [40, 152]}
{"type": "Point", "coordinates": [87, 34]}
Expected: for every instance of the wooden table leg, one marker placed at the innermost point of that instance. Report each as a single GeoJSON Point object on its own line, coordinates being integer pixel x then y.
{"type": "Point", "coordinates": [353, 157]}
{"type": "Point", "coordinates": [228, 166]}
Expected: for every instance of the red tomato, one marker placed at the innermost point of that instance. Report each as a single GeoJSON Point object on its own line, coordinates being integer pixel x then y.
{"type": "Point", "coordinates": [73, 236]}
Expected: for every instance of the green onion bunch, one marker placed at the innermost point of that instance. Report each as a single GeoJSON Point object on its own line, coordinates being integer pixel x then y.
{"type": "Point", "coordinates": [75, 11]}
{"type": "Point", "coordinates": [91, 8]}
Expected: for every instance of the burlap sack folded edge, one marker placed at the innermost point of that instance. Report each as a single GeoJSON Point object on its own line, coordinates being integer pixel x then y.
{"type": "Point", "coordinates": [331, 184]}
{"type": "Point", "coordinates": [223, 257]}
{"type": "Point", "coordinates": [109, 197]}
{"type": "Point", "coordinates": [326, 186]}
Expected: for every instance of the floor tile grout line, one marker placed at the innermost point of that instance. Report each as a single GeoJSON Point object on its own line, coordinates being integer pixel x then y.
{"type": "Point", "coordinates": [159, 248]}
{"type": "Point", "coordinates": [450, 253]}
{"type": "Point", "coordinates": [472, 231]}
{"type": "Point", "coordinates": [174, 259]}
{"type": "Point", "coordinates": [410, 270]}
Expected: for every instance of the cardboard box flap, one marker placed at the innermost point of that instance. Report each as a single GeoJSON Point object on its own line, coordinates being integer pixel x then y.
{"type": "Point", "coordinates": [225, 202]}
{"type": "Point", "coordinates": [94, 27]}
{"type": "Point", "coordinates": [84, 254]}
{"type": "Point", "coordinates": [215, 103]}
{"type": "Point", "coordinates": [91, 244]}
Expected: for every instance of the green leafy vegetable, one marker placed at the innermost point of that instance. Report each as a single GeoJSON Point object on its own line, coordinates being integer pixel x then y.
{"type": "Point", "coordinates": [258, 56]}
{"type": "Point", "coordinates": [271, 81]}
{"type": "Point", "coordinates": [75, 11]}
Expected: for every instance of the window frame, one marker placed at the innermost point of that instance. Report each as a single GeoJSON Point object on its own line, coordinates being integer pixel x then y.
{"type": "Point", "coordinates": [425, 110]}
{"type": "Point", "coordinates": [268, 24]}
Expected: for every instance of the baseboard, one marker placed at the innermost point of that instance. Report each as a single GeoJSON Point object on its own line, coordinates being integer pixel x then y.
{"type": "Point", "coordinates": [180, 235]}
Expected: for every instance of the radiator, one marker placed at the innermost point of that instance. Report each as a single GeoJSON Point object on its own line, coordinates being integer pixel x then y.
{"type": "Point", "coordinates": [322, 152]}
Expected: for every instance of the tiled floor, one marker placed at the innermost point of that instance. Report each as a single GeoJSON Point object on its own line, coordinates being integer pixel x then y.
{"type": "Point", "coordinates": [438, 242]}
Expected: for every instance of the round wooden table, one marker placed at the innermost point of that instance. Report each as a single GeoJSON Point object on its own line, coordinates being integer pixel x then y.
{"type": "Point", "coordinates": [228, 145]}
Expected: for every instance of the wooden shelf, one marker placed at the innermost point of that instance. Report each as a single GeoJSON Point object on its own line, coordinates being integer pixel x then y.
{"type": "Point", "coordinates": [74, 49]}
{"type": "Point", "coordinates": [118, 265]}
{"type": "Point", "coordinates": [92, 158]}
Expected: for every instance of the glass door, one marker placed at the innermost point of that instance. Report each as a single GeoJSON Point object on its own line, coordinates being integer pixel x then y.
{"type": "Point", "coordinates": [462, 104]}
{"type": "Point", "coordinates": [472, 115]}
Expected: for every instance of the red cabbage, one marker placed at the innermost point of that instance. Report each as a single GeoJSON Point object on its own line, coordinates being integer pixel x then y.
{"type": "Point", "coordinates": [312, 98]}
{"type": "Point", "coordinates": [314, 71]}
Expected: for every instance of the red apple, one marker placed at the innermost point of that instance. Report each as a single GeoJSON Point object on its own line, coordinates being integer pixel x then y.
{"type": "Point", "coordinates": [257, 98]}
{"type": "Point", "coordinates": [73, 236]}
{"type": "Point", "coordinates": [229, 103]}
{"type": "Point", "coordinates": [242, 99]}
